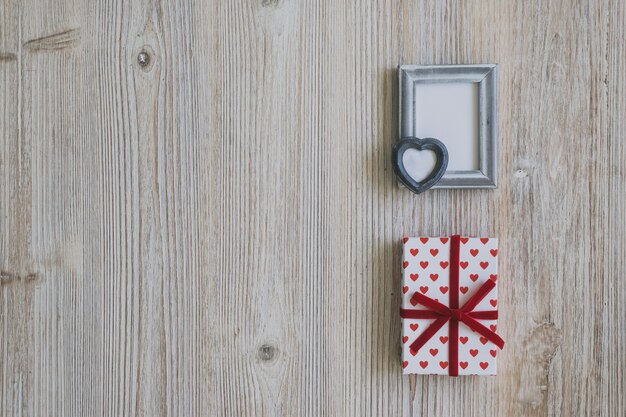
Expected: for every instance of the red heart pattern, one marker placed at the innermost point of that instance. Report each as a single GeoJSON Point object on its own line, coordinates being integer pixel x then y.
{"type": "Point", "coordinates": [431, 256]}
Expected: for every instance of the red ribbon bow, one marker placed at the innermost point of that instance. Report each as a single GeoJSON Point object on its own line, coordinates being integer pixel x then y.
{"type": "Point", "coordinates": [454, 314]}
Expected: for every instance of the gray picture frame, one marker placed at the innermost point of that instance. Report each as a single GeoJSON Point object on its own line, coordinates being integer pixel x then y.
{"type": "Point", "coordinates": [486, 75]}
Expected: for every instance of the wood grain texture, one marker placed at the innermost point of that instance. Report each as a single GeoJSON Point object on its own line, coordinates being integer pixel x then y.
{"type": "Point", "coordinates": [216, 231]}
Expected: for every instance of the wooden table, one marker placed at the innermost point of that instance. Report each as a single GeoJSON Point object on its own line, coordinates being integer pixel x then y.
{"type": "Point", "coordinates": [198, 214]}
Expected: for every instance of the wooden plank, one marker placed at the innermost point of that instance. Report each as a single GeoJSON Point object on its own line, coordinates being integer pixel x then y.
{"type": "Point", "coordinates": [198, 213]}
{"type": "Point", "coordinates": [16, 278]}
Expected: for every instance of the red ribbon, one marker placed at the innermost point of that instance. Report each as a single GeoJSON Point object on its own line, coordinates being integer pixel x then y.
{"type": "Point", "coordinates": [454, 314]}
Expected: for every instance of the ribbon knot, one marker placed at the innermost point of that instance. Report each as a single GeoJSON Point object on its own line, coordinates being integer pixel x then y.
{"type": "Point", "coordinates": [456, 314]}
{"type": "Point", "coordinates": [442, 314]}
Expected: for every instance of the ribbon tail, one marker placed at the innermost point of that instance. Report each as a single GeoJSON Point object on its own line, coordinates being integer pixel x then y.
{"type": "Point", "coordinates": [479, 328]}
{"type": "Point", "coordinates": [428, 333]}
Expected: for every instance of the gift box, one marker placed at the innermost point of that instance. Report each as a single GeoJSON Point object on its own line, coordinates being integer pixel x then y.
{"type": "Point", "coordinates": [449, 306]}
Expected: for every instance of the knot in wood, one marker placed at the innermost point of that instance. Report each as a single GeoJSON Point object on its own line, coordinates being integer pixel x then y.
{"type": "Point", "coordinates": [143, 58]}
{"type": "Point", "coordinates": [270, 3]}
{"type": "Point", "coordinates": [267, 352]}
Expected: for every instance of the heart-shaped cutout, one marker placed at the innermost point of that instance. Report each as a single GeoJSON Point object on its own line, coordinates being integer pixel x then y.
{"type": "Point", "coordinates": [419, 163]}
